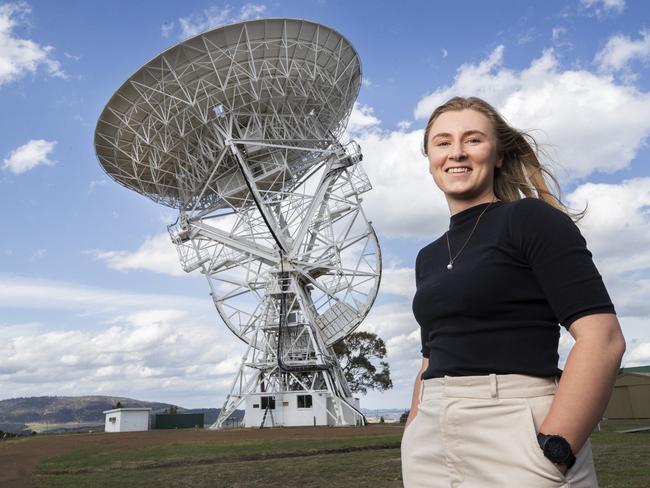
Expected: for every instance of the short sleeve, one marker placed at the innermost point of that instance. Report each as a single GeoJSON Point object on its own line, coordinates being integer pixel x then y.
{"type": "Point", "coordinates": [423, 333]}
{"type": "Point", "coordinates": [557, 253]}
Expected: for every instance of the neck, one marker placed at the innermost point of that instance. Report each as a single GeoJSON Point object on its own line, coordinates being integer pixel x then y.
{"type": "Point", "coordinates": [456, 206]}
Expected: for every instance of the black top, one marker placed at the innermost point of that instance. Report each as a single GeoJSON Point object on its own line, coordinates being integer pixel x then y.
{"type": "Point", "coordinates": [525, 270]}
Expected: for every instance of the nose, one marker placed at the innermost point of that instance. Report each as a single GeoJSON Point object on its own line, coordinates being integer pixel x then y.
{"type": "Point", "coordinates": [456, 152]}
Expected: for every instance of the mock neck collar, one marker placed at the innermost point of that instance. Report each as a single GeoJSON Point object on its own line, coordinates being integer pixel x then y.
{"type": "Point", "coordinates": [471, 214]}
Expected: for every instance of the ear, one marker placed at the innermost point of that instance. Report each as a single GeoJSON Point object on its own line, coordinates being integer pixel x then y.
{"type": "Point", "coordinates": [499, 162]}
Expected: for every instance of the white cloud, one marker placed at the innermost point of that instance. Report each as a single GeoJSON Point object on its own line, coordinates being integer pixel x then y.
{"type": "Point", "coordinates": [621, 50]}
{"type": "Point", "coordinates": [251, 11]}
{"type": "Point", "coordinates": [21, 56]}
{"type": "Point", "coordinates": [620, 210]}
{"type": "Point", "coordinates": [30, 155]}
{"type": "Point", "coordinates": [404, 124]}
{"type": "Point", "coordinates": [166, 29]}
{"type": "Point", "coordinates": [602, 7]}
{"type": "Point", "coordinates": [95, 183]}
{"type": "Point", "coordinates": [611, 121]}
{"type": "Point", "coordinates": [157, 253]}
{"type": "Point", "coordinates": [212, 17]}
{"type": "Point", "coordinates": [557, 33]}
{"type": "Point", "coordinates": [362, 118]}
{"type": "Point", "coordinates": [398, 281]}
{"type": "Point", "coordinates": [38, 255]}
{"type": "Point", "coordinates": [146, 354]}
{"type": "Point", "coordinates": [639, 356]}
{"type": "Point", "coordinates": [31, 293]}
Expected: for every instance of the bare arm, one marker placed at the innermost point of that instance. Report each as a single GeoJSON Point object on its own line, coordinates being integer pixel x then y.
{"type": "Point", "coordinates": [415, 400]}
{"type": "Point", "coordinates": [588, 378]}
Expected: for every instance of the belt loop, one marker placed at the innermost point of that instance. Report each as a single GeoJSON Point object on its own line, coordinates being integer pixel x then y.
{"type": "Point", "coordinates": [493, 385]}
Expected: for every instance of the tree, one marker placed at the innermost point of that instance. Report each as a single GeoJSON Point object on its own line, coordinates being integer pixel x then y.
{"type": "Point", "coordinates": [360, 354]}
{"type": "Point", "coordinates": [404, 417]}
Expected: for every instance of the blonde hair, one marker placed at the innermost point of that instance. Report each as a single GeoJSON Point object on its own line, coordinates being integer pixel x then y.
{"type": "Point", "coordinates": [522, 172]}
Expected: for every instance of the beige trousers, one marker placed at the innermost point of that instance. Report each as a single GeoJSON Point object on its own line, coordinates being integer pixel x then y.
{"type": "Point", "coordinates": [481, 432]}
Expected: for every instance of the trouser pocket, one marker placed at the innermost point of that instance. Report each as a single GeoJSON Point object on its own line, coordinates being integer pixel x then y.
{"type": "Point", "coordinates": [497, 445]}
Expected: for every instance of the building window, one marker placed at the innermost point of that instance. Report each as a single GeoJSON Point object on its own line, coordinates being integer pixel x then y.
{"type": "Point", "coordinates": [111, 420]}
{"type": "Point", "coordinates": [304, 401]}
{"type": "Point", "coordinates": [268, 402]}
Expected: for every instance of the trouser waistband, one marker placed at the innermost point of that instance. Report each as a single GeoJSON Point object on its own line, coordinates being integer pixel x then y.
{"type": "Point", "coordinates": [488, 386]}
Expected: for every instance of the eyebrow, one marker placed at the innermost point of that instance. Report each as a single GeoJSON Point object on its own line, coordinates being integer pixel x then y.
{"type": "Point", "coordinates": [466, 133]}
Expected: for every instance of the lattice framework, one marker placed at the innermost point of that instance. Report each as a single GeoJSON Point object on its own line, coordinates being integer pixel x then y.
{"type": "Point", "coordinates": [290, 84]}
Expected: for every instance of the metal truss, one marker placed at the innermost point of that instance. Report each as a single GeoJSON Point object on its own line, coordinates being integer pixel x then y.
{"type": "Point", "coordinates": [238, 129]}
{"type": "Point", "coordinates": [292, 275]}
{"type": "Point", "coordinates": [287, 84]}
{"type": "Point", "coordinates": [331, 251]}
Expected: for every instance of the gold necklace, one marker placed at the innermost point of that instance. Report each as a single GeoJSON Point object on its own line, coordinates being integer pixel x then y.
{"type": "Point", "coordinates": [450, 266]}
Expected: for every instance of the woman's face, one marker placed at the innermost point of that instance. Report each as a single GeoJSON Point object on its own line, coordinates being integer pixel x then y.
{"type": "Point", "coordinates": [462, 152]}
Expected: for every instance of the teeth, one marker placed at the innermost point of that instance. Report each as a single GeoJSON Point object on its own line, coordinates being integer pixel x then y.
{"type": "Point", "coordinates": [458, 170]}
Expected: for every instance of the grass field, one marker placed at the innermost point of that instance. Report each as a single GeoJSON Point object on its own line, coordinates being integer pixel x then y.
{"type": "Point", "coordinates": [286, 460]}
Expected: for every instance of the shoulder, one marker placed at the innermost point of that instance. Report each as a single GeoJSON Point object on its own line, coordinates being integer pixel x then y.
{"type": "Point", "coordinates": [431, 248]}
{"type": "Point", "coordinates": [535, 214]}
{"type": "Point", "coordinates": [535, 206]}
{"type": "Point", "coordinates": [535, 224]}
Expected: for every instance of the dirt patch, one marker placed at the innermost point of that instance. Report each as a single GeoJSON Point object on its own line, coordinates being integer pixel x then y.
{"type": "Point", "coordinates": [18, 458]}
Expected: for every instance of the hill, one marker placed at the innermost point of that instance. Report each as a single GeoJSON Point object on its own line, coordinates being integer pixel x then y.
{"type": "Point", "coordinates": [64, 412]}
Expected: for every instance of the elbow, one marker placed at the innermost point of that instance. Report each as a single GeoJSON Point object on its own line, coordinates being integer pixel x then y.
{"type": "Point", "coordinates": [617, 341]}
{"type": "Point", "coordinates": [602, 335]}
{"type": "Point", "coordinates": [616, 348]}
{"type": "Point", "coordinates": [620, 346]}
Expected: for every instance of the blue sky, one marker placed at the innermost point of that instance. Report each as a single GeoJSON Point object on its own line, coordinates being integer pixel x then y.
{"type": "Point", "coordinates": [92, 298]}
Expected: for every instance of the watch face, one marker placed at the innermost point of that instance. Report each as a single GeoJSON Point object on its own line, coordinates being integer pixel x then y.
{"type": "Point", "coordinates": [557, 449]}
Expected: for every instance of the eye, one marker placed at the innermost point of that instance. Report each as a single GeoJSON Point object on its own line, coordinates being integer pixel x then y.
{"type": "Point", "coordinates": [473, 140]}
{"type": "Point", "coordinates": [442, 142]}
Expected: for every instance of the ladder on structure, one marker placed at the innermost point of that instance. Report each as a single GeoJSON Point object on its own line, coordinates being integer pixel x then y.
{"type": "Point", "coordinates": [266, 411]}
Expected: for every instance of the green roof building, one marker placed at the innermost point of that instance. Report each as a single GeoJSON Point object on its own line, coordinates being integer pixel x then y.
{"type": "Point", "coordinates": [631, 396]}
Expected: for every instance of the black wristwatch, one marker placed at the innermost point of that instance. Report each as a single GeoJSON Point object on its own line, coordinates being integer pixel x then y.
{"type": "Point", "coordinates": [556, 449]}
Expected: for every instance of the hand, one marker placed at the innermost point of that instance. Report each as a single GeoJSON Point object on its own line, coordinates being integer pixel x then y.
{"type": "Point", "coordinates": [562, 467]}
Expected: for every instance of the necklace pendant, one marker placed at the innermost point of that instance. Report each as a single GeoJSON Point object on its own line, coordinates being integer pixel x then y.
{"type": "Point", "coordinates": [450, 266]}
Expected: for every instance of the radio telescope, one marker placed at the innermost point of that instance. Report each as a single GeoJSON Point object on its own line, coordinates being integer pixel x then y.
{"type": "Point", "coordinates": [238, 129]}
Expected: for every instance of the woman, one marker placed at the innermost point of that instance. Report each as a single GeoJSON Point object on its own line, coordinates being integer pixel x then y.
{"type": "Point", "coordinates": [489, 408]}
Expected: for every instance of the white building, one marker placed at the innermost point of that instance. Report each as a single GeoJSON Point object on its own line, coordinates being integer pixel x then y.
{"type": "Point", "coordinates": [127, 419]}
{"type": "Point", "coordinates": [288, 409]}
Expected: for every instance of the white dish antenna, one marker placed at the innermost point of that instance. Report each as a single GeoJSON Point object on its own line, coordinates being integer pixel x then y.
{"type": "Point", "coordinates": [287, 84]}
{"type": "Point", "coordinates": [238, 129]}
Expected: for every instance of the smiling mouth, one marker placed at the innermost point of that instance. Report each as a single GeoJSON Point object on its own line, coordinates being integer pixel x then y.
{"type": "Point", "coordinates": [458, 171]}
